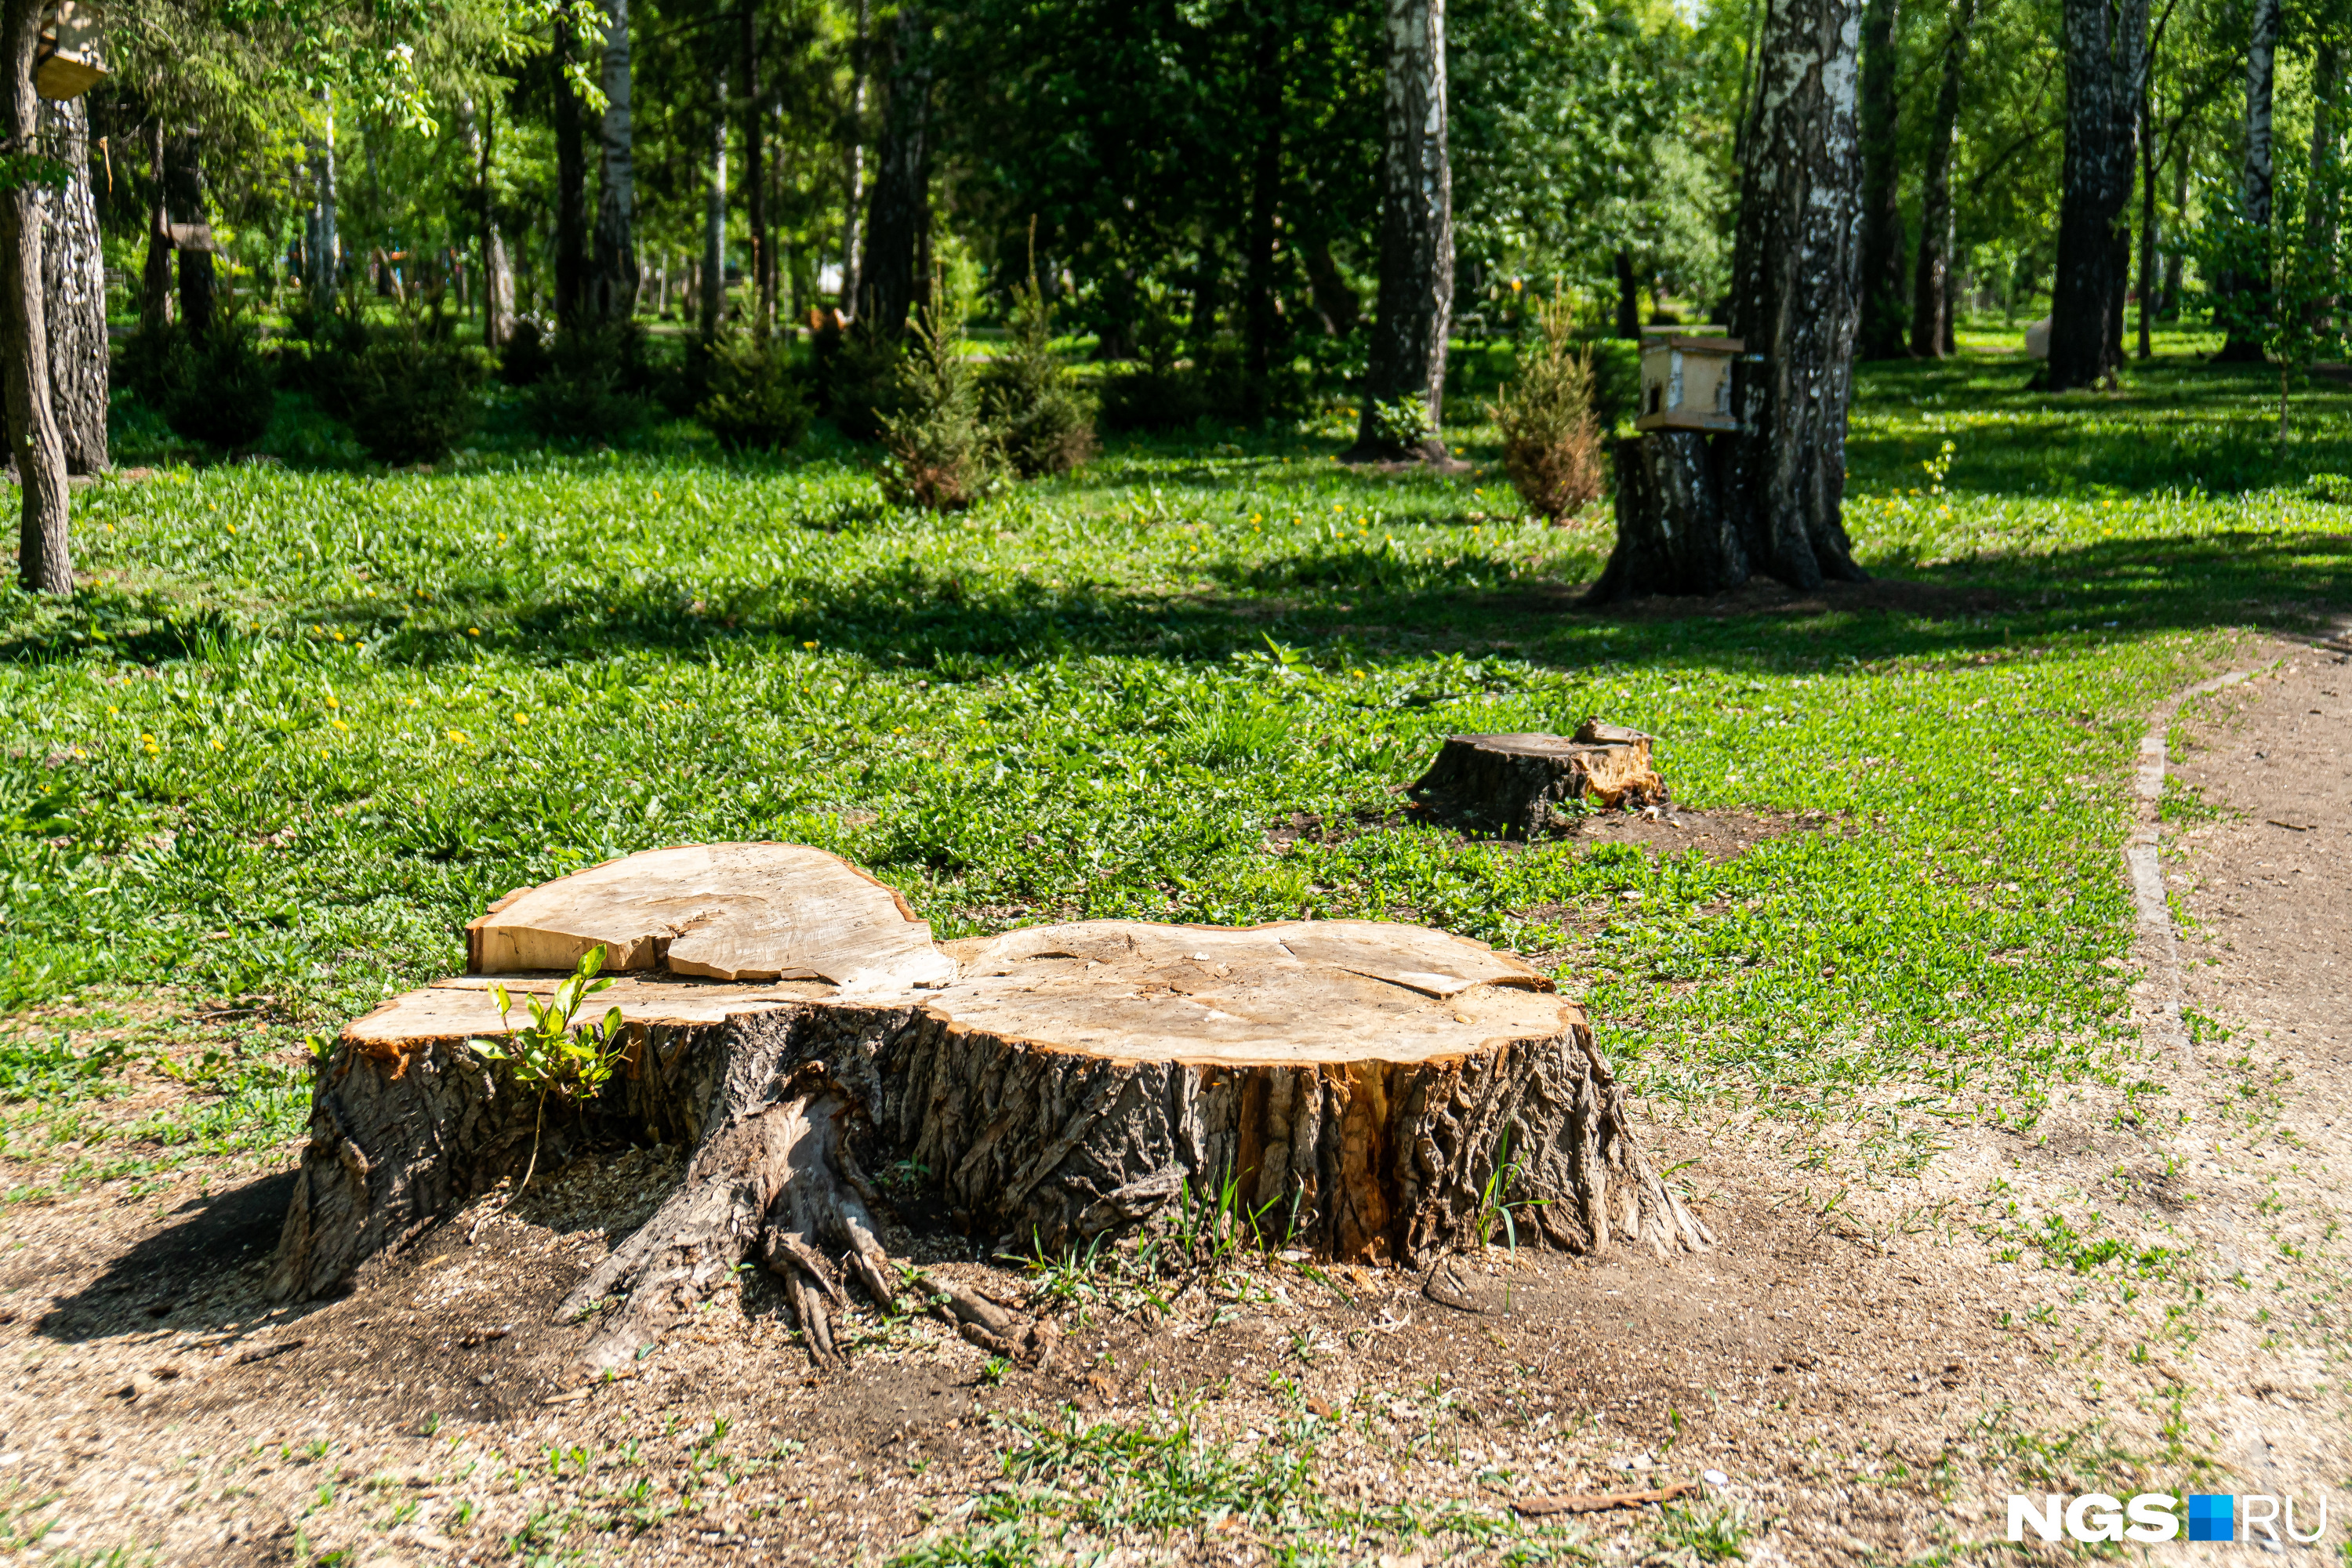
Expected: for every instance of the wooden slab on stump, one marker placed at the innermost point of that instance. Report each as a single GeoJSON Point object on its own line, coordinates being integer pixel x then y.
{"type": "Point", "coordinates": [1357, 1085]}
{"type": "Point", "coordinates": [1516, 782]}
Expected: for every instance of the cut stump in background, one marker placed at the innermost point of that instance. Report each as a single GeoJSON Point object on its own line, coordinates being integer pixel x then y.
{"type": "Point", "coordinates": [1367, 1091]}
{"type": "Point", "coordinates": [1519, 783]}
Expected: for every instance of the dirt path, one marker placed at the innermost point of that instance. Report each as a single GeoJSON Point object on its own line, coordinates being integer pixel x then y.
{"type": "Point", "coordinates": [1883, 1346]}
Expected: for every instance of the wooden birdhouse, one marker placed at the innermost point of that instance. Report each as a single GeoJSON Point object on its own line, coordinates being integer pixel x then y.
{"type": "Point", "coordinates": [68, 63]}
{"type": "Point", "coordinates": [1686, 382]}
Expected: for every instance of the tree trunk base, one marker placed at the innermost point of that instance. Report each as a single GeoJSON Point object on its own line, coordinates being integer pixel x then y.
{"type": "Point", "coordinates": [1675, 535]}
{"type": "Point", "coordinates": [1364, 1091]}
{"type": "Point", "coordinates": [1520, 782]}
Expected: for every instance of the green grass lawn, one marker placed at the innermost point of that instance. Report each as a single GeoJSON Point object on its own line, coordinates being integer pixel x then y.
{"type": "Point", "coordinates": [309, 720]}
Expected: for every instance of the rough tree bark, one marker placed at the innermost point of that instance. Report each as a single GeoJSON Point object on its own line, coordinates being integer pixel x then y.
{"type": "Point", "coordinates": [2259, 173]}
{"type": "Point", "coordinates": [897, 219]}
{"type": "Point", "coordinates": [1369, 1091]}
{"type": "Point", "coordinates": [1675, 535]}
{"type": "Point", "coordinates": [1265, 190]}
{"type": "Point", "coordinates": [755, 181]}
{"type": "Point", "coordinates": [73, 271]}
{"type": "Point", "coordinates": [852, 141]}
{"type": "Point", "coordinates": [712, 298]}
{"type": "Point", "coordinates": [2106, 56]}
{"type": "Point", "coordinates": [322, 246]}
{"type": "Point", "coordinates": [1935, 226]}
{"type": "Point", "coordinates": [1416, 299]}
{"type": "Point", "coordinates": [1880, 334]}
{"type": "Point", "coordinates": [1519, 783]}
{"type": "Point", "coordinates": [44, 561]}
{"type": "Point", "coordinates": [184, 197]}
{"type": "Point", "coordinates": [612, 282]}
{"type": "Point", "coordinates": [571, 184]}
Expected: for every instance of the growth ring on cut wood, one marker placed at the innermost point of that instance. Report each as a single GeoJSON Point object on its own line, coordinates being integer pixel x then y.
{"type": "Point", "coordinates": [722, 911]}
{"type": "Point", "coordinates": [1363, 1089]}
{"type": "Point", "coordinates": [1517, 781]}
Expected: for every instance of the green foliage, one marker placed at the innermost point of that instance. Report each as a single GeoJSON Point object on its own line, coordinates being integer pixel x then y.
{"type": "Point", "coordinates": [220, 390]}
{"type": "Point", "coordinates": [941, 455]}
{"type": "Point", "coordinates": [587, 390]}
{"type": "Point", "coordinates": [1043, 423]}
{"type": "Point", "coordinates": [1401, 423]}
{"type": "Point", "coordinates": [754, 402]}
{"type": "Point", "coordinates": [1551, 443]}
{"type": "Point", "coordinates": [2294, 270]}
{"type": "Point", "coordinates": [863, 379]}
{"type": "Point", "coordinates": [411, 400]}
{"type": "Point", "coordinates": [554, 1053]}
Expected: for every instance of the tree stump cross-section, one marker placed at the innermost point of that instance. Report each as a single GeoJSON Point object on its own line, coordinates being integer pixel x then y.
{"type": "Point", "coordinates": [1365, 1090]}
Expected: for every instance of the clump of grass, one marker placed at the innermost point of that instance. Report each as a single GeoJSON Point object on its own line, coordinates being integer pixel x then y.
{"type": "Point", "coordinates": [1551, 444]}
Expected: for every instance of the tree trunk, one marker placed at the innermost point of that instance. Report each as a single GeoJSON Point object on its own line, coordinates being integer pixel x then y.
{"type": "Point", "coordinates": [1520, 784]}
{"type": "Point", "coordinates": [713, 297]}
{"type": "Point", "coordinates": [155, 275]}
{"type": "Point", "coordinates": [1364, 1091]}
{"type": "Point", "coordinates": [1795, 300]}
{"type": "Point", "coordinates": [2147, 224]}
{"type": "Point", "coordinates": [1629, 300]}
{"type": "Point", "coordinates": [43, 560]}
{"type": "Point", "coordinates": [184, 196]}
{"type": "Point", "coordinates": [1675, 535]}
{"type": "Point", "coordinates": [1880, 335]}
{"type": "Point", "coordinates": [854, 158]}
{"type": "Point", "coordinates": [571, 185]}
{"type": "Point", "coordinates": [612, 295]}
{"type": "Point", "coordinates": [1265, 192]}
{"type": "Point", "coordinates": [73, 268]}
{"type": "Point", "coordinates": [1936, 215]}
{"type": "Point", "coordinates": [322, 245]}
{"type": "Point", "coordinates": [755, 183]}
{"type": "Point", "coordinates": [498, 273]}
{"type": "Point", "coordinates": [2249, 288]}
{"type": "Point", "coordinates": [1333, 301]}
{"type": "Point", "coordinates": [2323, 214]}
{"type": "Point", "coordinates": [2106, 54]}
{"type": "Point", "coordinates": [2175, 263]}
{"type": "Point", "coordinates": [898, 222]}
{"type": "Point", "coordinates": [1416, 303]}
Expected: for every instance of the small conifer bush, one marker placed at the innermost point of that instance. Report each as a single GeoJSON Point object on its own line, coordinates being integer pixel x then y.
{"type": "Point", "coordinates": [1551, 443]}
{"type": "Point", "coordinates": [941, 455]}
{"type": "Point", "coordinates": [1044, 425]}
{"type": "Point", "coordinates": [754, 402]}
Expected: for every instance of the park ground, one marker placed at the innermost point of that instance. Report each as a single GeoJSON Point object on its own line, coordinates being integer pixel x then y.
{"type": "Point", "coordinates": [1987, 1221]}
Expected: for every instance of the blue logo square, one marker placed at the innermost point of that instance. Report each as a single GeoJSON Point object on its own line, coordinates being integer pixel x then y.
{"type": "Point", "coordinates": [2212, 1516]}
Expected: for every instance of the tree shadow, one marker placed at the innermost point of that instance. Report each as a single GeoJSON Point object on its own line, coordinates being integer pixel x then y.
{"type": "Point", "coordinates": [161, 1280]}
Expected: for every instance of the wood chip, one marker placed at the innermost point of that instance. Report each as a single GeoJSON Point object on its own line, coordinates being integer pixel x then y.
{"type": "Point", "coordinates": [1600, 1502]}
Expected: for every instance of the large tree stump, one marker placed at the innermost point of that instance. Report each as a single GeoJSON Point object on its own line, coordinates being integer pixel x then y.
{"type": "Point", "coordinates": [1518, 783]}
{"type": "Point", "coordinates": [1365, 1090]}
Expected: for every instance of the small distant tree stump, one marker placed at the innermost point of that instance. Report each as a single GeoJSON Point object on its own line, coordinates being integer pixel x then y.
{"type": "Point", "coordinates": [1364, 1091]}
{"type": "Point", "coordinates": [1516, 782]}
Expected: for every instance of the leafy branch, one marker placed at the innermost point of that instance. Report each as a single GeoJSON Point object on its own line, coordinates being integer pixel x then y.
{"type": "Point", "coordinates": [554, 1055]}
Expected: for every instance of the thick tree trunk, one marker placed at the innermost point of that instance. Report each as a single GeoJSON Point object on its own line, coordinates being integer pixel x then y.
{"type": "Point", "coordinates": [613, 292]}
{"type": "Point", "coordinates": [897, 221]}
{"type": "Point", "coordinates": [44, 559]}
{"type": "Point", "coordinates": [1265, 192]}
{"type": "Point", "coordinates": [73, 268]}
{"type": "Point", "coordinates": [2260, 174]}
{"type": "Point", "coordinates": [1880, 334]}
{"type": "Point", "coordinates": [1416, 302]}
{"type": "Point", "coordinates": [1675, 535]}
{"type": "Point", "coordinates": [1527, 784]}
{"type": "Point", "coordinates": [755, 182]}
{"type": "Point", "coordinates": [184, 196]}
{"type": "Point", "coordinates": [713, 297]}
{"type": "Point", "coordinates": [2106, 55]}
{"type": "Point", "coordinates": [853, 181]}
{"type": "Point", "coordinates": [1629, 299]}
{"type": "Point", "coordinates": [571, 185]}
{"type": "Point", "coordinates": [1935, 216]}
{"type": "Point", "coordinates": [1795, 298]}
{"type": "Point", "coordinates": [155, 273]}
{"type": "Point", "coordinates": [1366, 1091]}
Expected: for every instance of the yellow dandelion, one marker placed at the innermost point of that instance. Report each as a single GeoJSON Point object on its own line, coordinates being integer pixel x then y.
{"type": "Point", "coordinates": [339, 724]}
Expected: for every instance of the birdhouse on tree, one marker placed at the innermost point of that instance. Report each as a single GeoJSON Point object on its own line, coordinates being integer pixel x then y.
{"type": "Point", "coordinates": [1686, 382]}
{"type": "Point", "coordinates": [67, 63]}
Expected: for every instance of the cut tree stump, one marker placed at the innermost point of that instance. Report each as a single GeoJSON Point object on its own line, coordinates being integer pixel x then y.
{"type": "Point", "coordinates": [1369, 1091]}
{"type": "Point", "coordinates": [1516, 782]}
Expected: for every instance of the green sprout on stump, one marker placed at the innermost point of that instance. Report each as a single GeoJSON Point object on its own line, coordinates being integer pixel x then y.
{"type": "Point", "coordinates": [553, 1054]}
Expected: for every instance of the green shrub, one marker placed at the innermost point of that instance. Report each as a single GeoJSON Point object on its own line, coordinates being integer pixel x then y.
{"type": "Point", "coordinates": [588, 393]}
{"type": "Point", "coordinates": [409, 399]}
{"type": "Point", "coordinates": [1042, 421]}
{"type": "Point", "coordinates": [861, 381]}
{"type": "Point", "coordinates": [525, 359]}
{"type": "Point", "coordinates": [755, 403]}
{"type": "Point", "coordinates": [220, 390]}
{"type": "Point", "coordinates": [941, 456]}
{"type": "Point", "coordinates": [1551, 443]}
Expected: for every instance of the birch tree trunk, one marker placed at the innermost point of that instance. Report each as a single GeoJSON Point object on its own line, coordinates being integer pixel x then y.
{"type": "Point", "coordinates": [73, 268]}
{"type": "Point", "coordinates": [2107, 63]}
{"type": "Point", "coordinates": [571, 187]}
{"type": "Point", "coordinates": [2146, 223]}
{"type": "Point", "coordinates": [1796, 297]}
{"type": "Point", "coordinates": [898, 218]}
{"type": "Point", "coordinates": [712, 298]}
{"type": "Point", "coordinates": [1928, 293]}
{"type": "Point", "coordinates": [1416, 302]}
{"type": "Point", "coordinates": [755, 181]}
{"type": "Point", "coordinates": [613, 292]}
{"type": "Point", "coordinates": [854, 159]}
{"type": "Point", "coordinates": [322, 245]}
{"type": "Point", "coordinates": [1880, 335]}
{"type": "Point", "coordinates": [44, 561]}
{"type": "Point", "coordinates": [2259, 173]}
